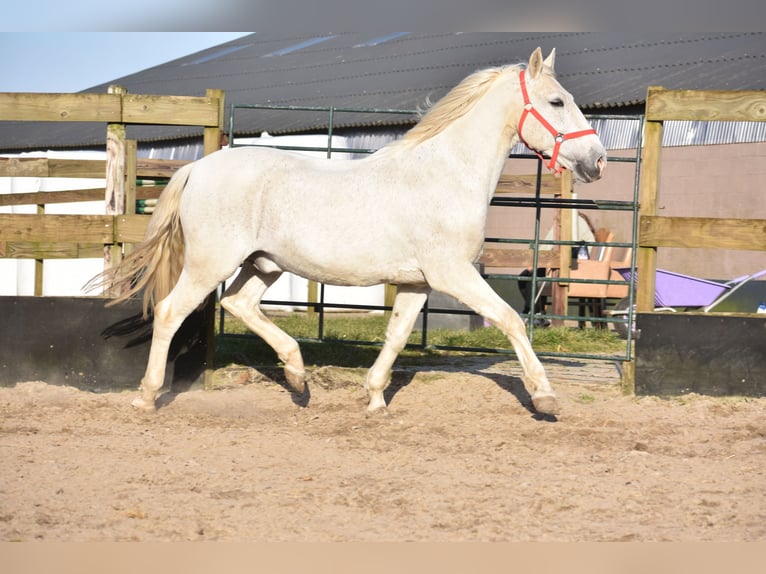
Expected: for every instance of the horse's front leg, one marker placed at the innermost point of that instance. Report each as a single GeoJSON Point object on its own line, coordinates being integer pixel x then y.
{"type": "Point", "coordinates": [407, 304]}
{"type": "Point", "coordinates": [464, 282]}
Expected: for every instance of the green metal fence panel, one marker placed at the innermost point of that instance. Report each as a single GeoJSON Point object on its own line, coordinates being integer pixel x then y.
{"type": "Point", "coordinates": [537, 203]}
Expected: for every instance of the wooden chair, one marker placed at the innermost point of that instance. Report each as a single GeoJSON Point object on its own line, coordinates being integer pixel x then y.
{"type": "Point", "coordinates": [599, 267]}
{"type": "Point", "coordinates": [621, 258]}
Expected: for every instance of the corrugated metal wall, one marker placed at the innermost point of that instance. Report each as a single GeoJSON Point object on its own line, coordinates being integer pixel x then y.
{"type": "Point", "coordinates": [619, 134]}
{"type": "Point", "coordinates": [616, 135]}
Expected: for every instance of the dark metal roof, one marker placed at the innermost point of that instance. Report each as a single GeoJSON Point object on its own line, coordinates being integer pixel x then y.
{"type": "Point", "coordinates": [607, 71]}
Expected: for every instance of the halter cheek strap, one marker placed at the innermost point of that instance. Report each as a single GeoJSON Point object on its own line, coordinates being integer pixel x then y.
{"type": "Point", "coordinates": [557, 135]}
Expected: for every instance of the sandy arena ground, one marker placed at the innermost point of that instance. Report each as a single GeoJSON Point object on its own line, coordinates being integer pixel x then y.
{"type": "Point", "coordinates": [458, 456]}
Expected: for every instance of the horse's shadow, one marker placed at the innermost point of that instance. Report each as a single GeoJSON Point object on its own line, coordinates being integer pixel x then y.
{"type": "Point", "coordinates": [509, 383]}
{"type": "Point", "coordinates": [274, 375]}
{"type": "Point", "coordinates": [515, 386]}
{"type": "Point", "coordinates": [402, 376]}
{"type": "Point", "coordinates": [400, 379]}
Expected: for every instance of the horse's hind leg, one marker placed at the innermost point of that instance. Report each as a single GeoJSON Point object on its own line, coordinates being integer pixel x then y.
{"type": "Point", "coordinates": [464, 282]}
{"type": "Point", "coordinates": [408, 302]}
{"type": "Point", "coordinates": [169, 314]}
{"type": "Point", "coordinates": [242, 300]}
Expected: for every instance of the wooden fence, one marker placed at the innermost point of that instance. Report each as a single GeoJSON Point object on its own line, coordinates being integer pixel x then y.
{"type": "Point", "coordinates": [696, 232]}
{"type": "Point", "coordinates": [43, 236]}
{"type": "Point", "coordinates": [699, 352]}
{"type": "Point", "coordinates": [40, 236]}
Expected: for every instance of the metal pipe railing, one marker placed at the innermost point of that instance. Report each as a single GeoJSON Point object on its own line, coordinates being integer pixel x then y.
{"type": "Point", "coordinates": [537, 202]}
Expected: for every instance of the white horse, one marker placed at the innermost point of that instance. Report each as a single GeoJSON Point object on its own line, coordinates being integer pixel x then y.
{"type": "Point", "coordinates": [412, 214]}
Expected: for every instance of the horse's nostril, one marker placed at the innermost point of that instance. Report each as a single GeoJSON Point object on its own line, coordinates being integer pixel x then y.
{"type": "Point", "coordinates": [601, 164]}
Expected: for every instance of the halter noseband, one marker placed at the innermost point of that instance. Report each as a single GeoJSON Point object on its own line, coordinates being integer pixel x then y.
{"type": "Point", "coordinates": [557, 135]}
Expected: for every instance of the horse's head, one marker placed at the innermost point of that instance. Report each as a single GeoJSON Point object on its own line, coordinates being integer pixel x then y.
{"type": "Point", "coordinates": [551, 124]}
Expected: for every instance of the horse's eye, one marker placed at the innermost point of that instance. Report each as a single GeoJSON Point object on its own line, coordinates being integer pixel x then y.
{"type": "Point", "coordinates": [557, 103]}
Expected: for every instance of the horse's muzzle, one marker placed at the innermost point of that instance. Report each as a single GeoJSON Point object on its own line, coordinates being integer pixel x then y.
{"type": "Point", "coordinates": [588, 171]}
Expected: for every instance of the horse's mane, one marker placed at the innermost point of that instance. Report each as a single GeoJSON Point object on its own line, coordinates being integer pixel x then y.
{"type": "Point", "coordinates": [458, 102]}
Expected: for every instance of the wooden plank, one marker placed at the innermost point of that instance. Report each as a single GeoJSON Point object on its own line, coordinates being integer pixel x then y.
{"type": "Point", "coordinates": [111, 108]}
{"type": "Point", "coordinates": [47, 250]}
{"type": "Point", "coordinates": [170, 110]}
{"type": "Point", "coordinates": [59, 107]}
{"type": "Point", "coordinates": [45, 167]}
{"type": "Point", "coordinates": [23, 167]}
{"type": "Point", "coordinates": [16, 227]}
{"type": "Point", "coordinates": [130, 228]}
{"type": "Point", "coordinates": [71, 196]}
{"type": "Point", "coordinates": [149, 192]}
{"type": "Point", "coordinates": [157, 167]}
{"type": "Point", "coordinates": [710, 232]}
{"type": "Point", "coordinates": [526, 184]}
{"type": "Point", "coordinates": [499, 257]}
{"type": "Point", "coordinates": [712, 105]}
{"type": "Point", "coordinates": [95, 168]}
{"type": "Point", "coordinates": [51, 197]}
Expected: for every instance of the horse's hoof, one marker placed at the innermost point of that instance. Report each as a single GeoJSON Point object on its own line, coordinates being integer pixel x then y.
{"type": "Point", "coordinates": [546, 405]}
{"type": "Point", "coordinates": [296, 379]}
{"type": "Point", "coordinates": [376, 403]}
{"type": "Point", "coordinates": [142, 404]}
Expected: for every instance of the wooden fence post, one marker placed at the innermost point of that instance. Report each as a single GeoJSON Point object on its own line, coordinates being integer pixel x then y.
{"type": "Point", "coordinates": [560, 291]}
{"type": "Point", "coordinates": [115, 177]}
{"type": "Point", "coordinates": [646, 258]}
{"type": "Point", "coordinates": [312, 296]}
{"type": "Point", "coordinates": [131, 152]}
{"type": "Point", "coordinates": [213, 136]}
{"type": "Point", "coordinates": [39, 263]}
{"type": "Point", "coordinates": [212, 142]}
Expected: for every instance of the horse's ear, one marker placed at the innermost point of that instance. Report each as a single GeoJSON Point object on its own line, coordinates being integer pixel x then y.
{"type": "Point", "coordinates": [536, 63]}
{"type": "Point", "coordinates": [551, 59]}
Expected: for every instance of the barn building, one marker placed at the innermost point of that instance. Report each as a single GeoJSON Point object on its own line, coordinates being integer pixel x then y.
{"type": "Point", "coordinates": [709, 169]}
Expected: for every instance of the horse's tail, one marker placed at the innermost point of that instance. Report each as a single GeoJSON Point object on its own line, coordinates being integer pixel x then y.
{"type": "Point", "coordinates": [155, 264]}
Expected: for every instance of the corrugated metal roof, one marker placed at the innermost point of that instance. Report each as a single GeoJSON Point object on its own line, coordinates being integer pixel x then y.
{"type": "Point", "coordinates": [604, 71]}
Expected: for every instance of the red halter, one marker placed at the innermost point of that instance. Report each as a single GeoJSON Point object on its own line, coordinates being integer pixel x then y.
{"type": "Point", "coordinates": [558, 136]}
